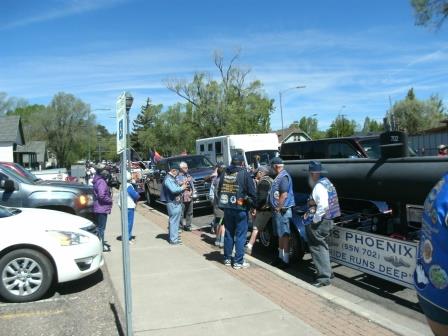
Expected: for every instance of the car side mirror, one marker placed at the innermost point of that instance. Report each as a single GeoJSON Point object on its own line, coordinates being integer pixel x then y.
{"type": "Point", "coordinates": [7, 185]}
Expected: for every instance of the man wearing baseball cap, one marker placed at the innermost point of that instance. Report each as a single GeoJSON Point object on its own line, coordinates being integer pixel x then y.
{"type": "Point", "coordinates": [237, 195]}
{"type": "Point", "coordinates": [319, 221]}
{"type": "Point", "coordinates": [443, 150]}
{"type": "Point", "coordinates": [281, 199]}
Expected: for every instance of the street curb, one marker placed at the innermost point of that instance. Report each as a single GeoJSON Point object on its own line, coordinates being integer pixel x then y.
{"type": "Point", "coordinates": [121, 321]}
{"type": "Point", "coordinates": [370, 315]}
{"type": "Point", "coordinates": [340, 301]}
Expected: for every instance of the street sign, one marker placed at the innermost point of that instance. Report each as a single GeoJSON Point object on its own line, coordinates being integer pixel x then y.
{"type": "Point", "coordinates": [121, 123]}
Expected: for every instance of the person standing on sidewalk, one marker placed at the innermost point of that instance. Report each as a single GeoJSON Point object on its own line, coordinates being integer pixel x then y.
{"type": "Point", "coordinates": [236, 196]}
{"type": "Point", "coordinates": [260, 173]}
{"type": "Point", "coordinates": [187, 196]}
{"type": "Point", "coordinates": [319, 221]}
{"type": "Point", "coordinates": [281, 199]}
{"type": "Point", "coordinates": [171, 195]}
{"type": "Point", "coordinates": [102, 204]}
{"type": "Point", "coordinates": [132, 198]}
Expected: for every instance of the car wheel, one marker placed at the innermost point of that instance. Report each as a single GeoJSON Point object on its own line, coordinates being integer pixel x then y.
{"type": "Point", "coordinates": [26, 275]}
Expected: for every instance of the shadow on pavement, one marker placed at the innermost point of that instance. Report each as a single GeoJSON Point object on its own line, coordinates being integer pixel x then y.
{"type": "Point", "coordinates": [79, 285]}
{"type": "Point", "coordinates": [114, 310]}
{"type": "Point", "coordinates": [214, 256]}
{"type": "Point", "coordinates": [163, 236]}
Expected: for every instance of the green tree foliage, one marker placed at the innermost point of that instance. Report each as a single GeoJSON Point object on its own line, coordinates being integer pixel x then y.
{"type": "Point", "coordinates": [342, 127]}
{"type": "Point", "coordinates": [310, 126]}
{"type": "Point", "coordinates": [372, 126]}
{"type": "Point", "coordinates": [143, 136]}
{"type": "Point", "coordinates": [430, 12]}
{"type": "Point", "coordinates": [413, 115]}
{"type": "Point", "coordinates": [231, 105]}
{"type": "Point", "coordinates": [104, 145]}
{"type": "Point", "coordinates": [65, 120]}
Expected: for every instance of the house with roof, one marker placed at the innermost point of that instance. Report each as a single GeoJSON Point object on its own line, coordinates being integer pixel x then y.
{"type": "Point", "coordinates": [11, 136]}
{"type": "Point", "coordinates": [33, 155]}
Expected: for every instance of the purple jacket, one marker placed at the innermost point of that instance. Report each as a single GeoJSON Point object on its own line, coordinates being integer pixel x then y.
{"type": "Point", "coordinates": [103, 197]}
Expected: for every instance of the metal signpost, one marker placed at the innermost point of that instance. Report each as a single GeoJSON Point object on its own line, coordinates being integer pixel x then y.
{"type": "Point", "coordinates": [122, 120]}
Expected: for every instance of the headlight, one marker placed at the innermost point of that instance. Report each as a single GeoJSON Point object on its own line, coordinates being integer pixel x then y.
{"type": "Point", "coordinates": [66, 238]}
{"type": "Point", "coordinates": [85, 200]}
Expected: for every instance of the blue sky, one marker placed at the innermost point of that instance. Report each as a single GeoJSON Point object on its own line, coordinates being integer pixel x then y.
{"type": "Point", "coordinates": [348, 53]}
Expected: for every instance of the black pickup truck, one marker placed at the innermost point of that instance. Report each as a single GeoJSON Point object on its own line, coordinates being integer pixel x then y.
{"type": "Point", "coordinates": [27, 191]}
{"type": "Point", "coordinates": [199, 168]}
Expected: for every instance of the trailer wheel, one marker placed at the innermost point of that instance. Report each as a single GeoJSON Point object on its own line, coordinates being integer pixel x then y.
{"type": "Point", "coordinates": [296, 247]}
{"type": "Point", "coordinates": [266, 236]}
{"type": "Point", "coordinates": [149, 199]}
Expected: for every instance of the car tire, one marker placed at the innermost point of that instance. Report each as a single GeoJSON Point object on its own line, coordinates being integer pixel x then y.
{"type": "Point", "coordinates": [25, 268]}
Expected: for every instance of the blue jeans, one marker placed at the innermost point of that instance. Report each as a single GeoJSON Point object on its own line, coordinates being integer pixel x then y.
{"type": "Point", "coordinates": [101, 219]}
{"type": "Point", "coordinates": [131, 212]}
{"type": "Point", "coordinates": [236, 233]}
{"type": "Point", "coordinates": [175, 215]}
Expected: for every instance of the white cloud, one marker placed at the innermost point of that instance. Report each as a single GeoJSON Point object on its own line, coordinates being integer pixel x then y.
{"type": "Point", "coordinates": [68, 8]}
{"type": "Point", "coordinates": [355, 71]}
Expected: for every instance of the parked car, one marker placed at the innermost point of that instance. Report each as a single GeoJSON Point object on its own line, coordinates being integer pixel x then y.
{"type": "Point", "coordinates": [199, 168]}
{"type": "Point", "coordinates": [27, 191]}
{"type": "Point", "coordinates": [40, 247]}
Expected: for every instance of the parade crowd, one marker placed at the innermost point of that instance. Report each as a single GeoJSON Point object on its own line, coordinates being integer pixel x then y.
{"type": "Point", "coordinates": [240, 197]}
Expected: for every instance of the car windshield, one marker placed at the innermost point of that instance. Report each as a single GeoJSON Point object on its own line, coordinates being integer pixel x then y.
{"type": "Point", "coordinates": [193, 162]}
{"type": "Point", "coordinates": [8, 212]}
{"type": "Point", "coordinates": [23, 172]}
{"type": "Point", "coordinates": [11, 172]}
{"type": "Point", "coordinates": [265, 156]}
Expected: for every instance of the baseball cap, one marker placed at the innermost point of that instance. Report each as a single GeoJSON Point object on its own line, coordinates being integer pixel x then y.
{"type": "Point", "coordinates": [276, 161]}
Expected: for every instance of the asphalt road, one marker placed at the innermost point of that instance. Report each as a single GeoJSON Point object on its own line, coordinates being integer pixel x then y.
{"type": "Point", "coordinates": [394, 297]}
{"type": "Point", "coordinates": [83, 307]}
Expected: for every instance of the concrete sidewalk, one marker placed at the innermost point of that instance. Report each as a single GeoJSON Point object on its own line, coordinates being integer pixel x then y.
{"type": "Point", "coordinates": [176, 291]}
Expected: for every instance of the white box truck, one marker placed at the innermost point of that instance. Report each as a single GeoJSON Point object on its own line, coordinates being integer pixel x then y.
{"type": "Point", "coordinates": [222, 148]}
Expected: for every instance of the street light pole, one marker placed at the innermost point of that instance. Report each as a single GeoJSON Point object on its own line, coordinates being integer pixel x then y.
{"type": "Point", "coordinates": [280, 94]}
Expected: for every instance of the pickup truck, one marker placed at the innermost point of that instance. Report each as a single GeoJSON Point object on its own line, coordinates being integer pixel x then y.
{"type": "Point", "coordinates": [199, 168]}
{"type": "Point", "coordinates": [27, 191]}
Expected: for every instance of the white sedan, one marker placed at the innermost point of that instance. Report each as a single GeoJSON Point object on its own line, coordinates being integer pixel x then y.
{"type": "Point", "coordinates": [38, 247]}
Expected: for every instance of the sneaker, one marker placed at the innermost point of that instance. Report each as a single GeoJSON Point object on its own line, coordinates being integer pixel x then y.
{"type": "Point", "coordinates": [228, 262]}
{"type": "Point", "coordinates": [217, 242]}
{"type": "Point", "coordinates": [237, 266]}
{"type": "Point", "coordinates": [248, 249]}
{"type": "Point", "coordinates": [187, 228]}
{"type": "Point", "coordinates": [221, 244]}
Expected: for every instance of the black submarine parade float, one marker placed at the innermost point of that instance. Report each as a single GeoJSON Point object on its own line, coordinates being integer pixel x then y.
{"type": "Point", "coordinates": [381, 203]}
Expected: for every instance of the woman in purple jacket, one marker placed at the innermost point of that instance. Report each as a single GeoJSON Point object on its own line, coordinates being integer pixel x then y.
{"type": "Point", "coordinates": [102, 205]}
